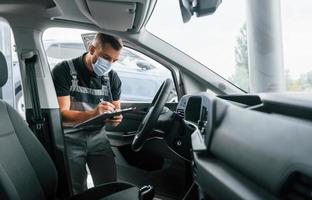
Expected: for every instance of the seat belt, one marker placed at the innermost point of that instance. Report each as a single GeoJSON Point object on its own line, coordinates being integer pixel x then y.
{"type": "Point", "coordinates": [39, 126]}
{"type": "Point", "coordinates": [38, 122]}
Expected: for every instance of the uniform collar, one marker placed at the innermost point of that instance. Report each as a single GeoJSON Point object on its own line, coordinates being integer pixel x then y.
{"type": "Point", "coordinates": [84, 68]}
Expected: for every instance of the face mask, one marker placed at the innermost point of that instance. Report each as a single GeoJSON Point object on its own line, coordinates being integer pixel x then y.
{"type": "Point", "coordinates": [101, 66]}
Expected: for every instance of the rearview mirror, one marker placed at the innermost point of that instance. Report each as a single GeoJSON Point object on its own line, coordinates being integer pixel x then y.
{"type": "Point", "coordinates": [200, 7]}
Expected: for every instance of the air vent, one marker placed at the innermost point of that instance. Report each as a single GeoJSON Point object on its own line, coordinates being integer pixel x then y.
{"type": "Point", "coordinates": [298, 187]}
{"type": "Point", "coordinates": [180, 112]}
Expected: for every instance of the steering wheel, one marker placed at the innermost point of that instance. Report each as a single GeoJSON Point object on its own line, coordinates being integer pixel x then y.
{"type": "Point", "coordinates": [151, 117]}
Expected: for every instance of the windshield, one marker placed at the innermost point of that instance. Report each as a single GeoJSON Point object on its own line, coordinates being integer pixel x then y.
{"type": "Point", "coordinates": [219, 41]}
{"type": "Point", "coordinates": [210, 40]}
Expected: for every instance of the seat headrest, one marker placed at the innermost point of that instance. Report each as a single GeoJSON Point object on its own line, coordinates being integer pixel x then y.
{"type": "Point", "coordinates": [3, 70]}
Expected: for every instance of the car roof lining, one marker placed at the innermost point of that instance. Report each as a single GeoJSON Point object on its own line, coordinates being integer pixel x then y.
{"type": "Point", "coordinates": [110, 15]}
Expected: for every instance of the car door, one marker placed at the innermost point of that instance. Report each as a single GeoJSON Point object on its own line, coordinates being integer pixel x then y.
{"type": "Point", "coordinates": [141, 78]}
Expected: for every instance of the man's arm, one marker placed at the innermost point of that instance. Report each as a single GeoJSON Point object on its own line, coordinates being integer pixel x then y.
{"type": "Point", "coordinates": [74, 117]}
{"type": "Point", "coordinates": [116, 91]}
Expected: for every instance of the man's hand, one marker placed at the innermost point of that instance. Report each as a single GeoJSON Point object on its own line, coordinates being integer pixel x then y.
{"type": "Point", "coordinates": [115, 121]}
{"type": "Point", "coordinates": [104, 107]}
{"type": "Point", "coordinates": [74, 116]}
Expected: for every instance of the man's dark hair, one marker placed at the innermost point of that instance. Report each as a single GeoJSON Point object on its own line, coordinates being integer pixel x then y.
{"type": "Point", "coordinates": [115, 42]}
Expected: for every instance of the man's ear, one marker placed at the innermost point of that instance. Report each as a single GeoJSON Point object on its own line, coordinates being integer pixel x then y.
{"type": "Point", "coordinates": [91, 49]}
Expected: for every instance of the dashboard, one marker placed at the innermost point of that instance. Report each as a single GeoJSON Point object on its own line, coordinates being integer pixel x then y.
{"type": "Point", "coordinates": [253, 146]}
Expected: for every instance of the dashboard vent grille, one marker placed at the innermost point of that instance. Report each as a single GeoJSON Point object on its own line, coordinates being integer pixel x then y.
{"type": "Point", "coordinates": [181, 112]}
{"type": "Point", "coordinates": [298, 187]}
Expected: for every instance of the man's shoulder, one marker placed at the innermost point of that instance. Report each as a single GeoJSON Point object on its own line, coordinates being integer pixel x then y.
{"type": "Point", "coordinates": [61, 78]}
{"type": "Point", "coordinates": [113, 74]}
{"type": "Point", "coordinates": [61, 68]}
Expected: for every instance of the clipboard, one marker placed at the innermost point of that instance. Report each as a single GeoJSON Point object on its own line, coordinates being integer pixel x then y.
{"type": "Point", "coordinates": [98, 120]}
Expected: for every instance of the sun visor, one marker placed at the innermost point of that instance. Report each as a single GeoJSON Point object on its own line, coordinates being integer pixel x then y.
{"type": "Point", "coordinates": [109, 15]}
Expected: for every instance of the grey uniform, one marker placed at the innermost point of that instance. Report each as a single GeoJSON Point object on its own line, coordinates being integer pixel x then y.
{"type": "Point", "coordinates": [89, 145]}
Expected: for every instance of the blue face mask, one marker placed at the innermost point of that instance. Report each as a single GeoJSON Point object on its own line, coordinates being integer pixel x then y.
{"type": "Point", "coordinates": [101, 66]}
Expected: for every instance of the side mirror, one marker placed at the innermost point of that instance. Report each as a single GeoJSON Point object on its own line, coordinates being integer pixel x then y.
{"type": "Point", "coordinates": [144, 65]}
{"type": "Point", "coordinates": [200, 7]}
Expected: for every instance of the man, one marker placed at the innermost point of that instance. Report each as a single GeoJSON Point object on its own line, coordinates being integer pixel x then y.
{"type": "Point", "coordinates": [86, 87]}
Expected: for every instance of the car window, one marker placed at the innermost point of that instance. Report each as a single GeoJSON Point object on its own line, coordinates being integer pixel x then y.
{"type": "Point", "coordinates": [297, 40]}
{"type": "Point", "coordinates": [64, 50]}
{"type": "Point", "coordinates": [12, 91]}
{"type": "Point", "coordinates": [141, 76]}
